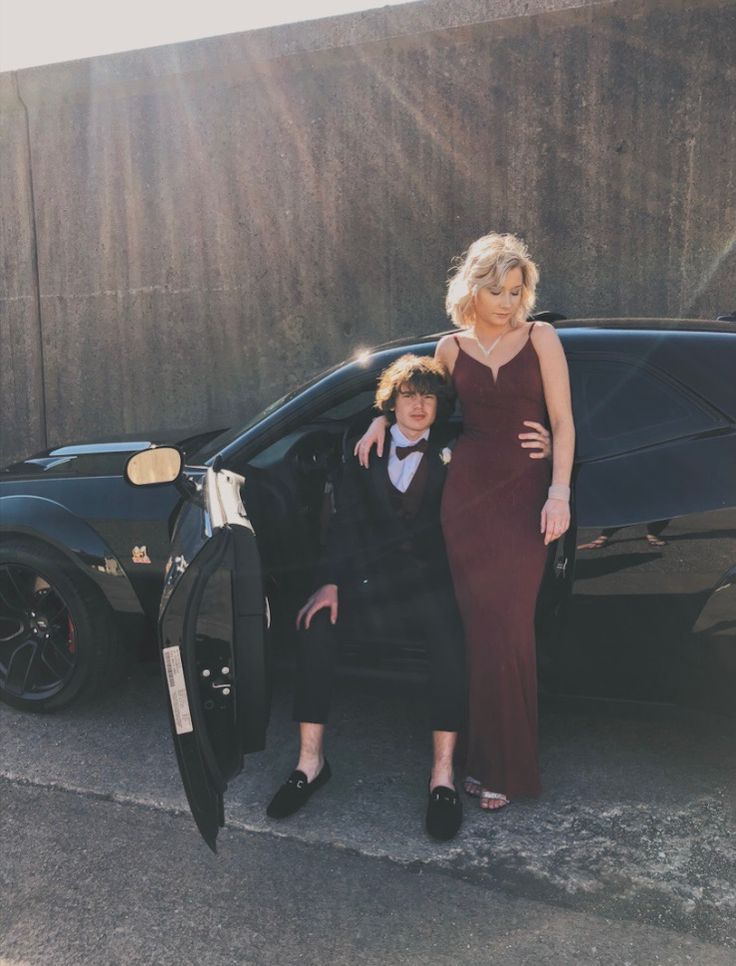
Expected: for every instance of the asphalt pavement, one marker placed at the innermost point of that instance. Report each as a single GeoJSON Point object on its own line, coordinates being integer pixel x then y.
{"type": "Point", "coordinates": [630, 855]}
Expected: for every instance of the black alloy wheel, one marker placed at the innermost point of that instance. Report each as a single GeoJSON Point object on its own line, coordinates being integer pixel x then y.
{"type": "Point", "coordinates": [57, 637]}
{"type": "Point", "coordinates": [38, 639]}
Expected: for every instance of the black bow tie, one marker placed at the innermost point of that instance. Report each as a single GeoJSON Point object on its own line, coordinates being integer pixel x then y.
{"type": "Point", "coordinates": [419, 447]}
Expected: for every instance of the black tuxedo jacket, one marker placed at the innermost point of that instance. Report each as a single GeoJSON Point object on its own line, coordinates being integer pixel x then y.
{"type": "Point", "coordinates": [366, 534]}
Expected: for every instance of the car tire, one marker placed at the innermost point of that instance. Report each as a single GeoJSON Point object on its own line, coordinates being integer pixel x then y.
{"type": "Point", "coordinates": [31, 572]}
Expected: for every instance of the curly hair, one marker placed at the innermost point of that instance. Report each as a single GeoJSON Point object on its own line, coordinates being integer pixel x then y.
{"type": "Point", "coordinates": [422, 374]}
{"type": "Point", "coordinates": [485, 264]}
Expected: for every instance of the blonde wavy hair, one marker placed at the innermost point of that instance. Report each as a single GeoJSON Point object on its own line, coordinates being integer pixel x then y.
{"type": "Point", "coordinates": [484, 265]}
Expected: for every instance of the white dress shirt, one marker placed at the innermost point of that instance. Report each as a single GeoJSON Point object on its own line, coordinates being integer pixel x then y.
{"type": "Point", "coordinates": [401, 472]}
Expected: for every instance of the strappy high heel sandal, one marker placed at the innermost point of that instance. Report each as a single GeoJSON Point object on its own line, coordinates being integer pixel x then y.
{"type": "Point", "coordinates": [486, 796]}
{"type": "Point", "coordinates": [654, 541]}
{"type": "Point", "coordinates": [472, 786]}
{"type": "Point", "coordinates": [597, 544]}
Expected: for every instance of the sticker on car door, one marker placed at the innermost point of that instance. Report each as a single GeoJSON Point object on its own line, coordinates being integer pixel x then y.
{"type": "Point", "coordinates": [177, 690]}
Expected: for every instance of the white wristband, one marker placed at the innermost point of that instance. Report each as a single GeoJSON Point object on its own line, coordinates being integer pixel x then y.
{"type": "Point", "coordinates": [558, 491]}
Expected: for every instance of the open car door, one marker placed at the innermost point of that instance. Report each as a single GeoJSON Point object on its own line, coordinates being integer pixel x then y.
{"type": "Point", "coordinates": [212, 637]}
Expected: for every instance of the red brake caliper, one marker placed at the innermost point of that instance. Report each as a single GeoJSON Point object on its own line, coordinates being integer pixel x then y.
{"type": "Point", "coordinates": [72, 638]}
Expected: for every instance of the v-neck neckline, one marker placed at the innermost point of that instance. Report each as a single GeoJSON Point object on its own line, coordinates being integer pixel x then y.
{"type": "Point", "coordinates": [495, 375]}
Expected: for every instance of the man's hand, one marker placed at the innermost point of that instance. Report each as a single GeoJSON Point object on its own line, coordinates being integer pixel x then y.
{"type": "Point", "coordinates": [539, 441]}
{"type": "Point", "coordinates": [326, 596]}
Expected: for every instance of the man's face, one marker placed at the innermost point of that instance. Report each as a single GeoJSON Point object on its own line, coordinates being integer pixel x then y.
{"type": "Point", "coordinates": [415, 411]}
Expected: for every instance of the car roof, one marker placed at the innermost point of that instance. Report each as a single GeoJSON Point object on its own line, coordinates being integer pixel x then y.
{"type": "Point", "coordinates": [699, 369]}
{"type": "Point", "coordinates": [634, 324]}
{"type": "Point", "coordinates": [674, 325]}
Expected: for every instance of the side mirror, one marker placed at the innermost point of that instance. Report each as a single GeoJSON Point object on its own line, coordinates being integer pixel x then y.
{"type": "Point", "coordinates": [153, 467]}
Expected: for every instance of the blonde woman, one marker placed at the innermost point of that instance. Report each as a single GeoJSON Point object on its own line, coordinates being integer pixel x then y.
{"type": "Point", "coordinates": [501, 510]}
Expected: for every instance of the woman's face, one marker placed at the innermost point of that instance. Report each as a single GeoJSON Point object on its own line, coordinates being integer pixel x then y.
{"type": "Point", "coordinates": [500, 304]}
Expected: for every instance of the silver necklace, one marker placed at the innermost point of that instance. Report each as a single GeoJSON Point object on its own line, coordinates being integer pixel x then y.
{"type": "Point", "coordinates": [492, 346]}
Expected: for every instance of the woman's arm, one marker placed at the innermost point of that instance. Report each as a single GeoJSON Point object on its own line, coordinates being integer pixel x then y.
{"type": "Point", "coordinates": [376, 433]}
{"type": "Point", "coordinates": [556, 382]}
{"type": "Point", "coordinates": [446, 352]}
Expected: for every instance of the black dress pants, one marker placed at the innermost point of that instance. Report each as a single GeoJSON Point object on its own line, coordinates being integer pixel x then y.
{"type": "Point", "coordinates": [408, 607]}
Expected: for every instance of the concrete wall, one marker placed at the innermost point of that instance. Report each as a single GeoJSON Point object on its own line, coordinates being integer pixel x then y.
{"type": "Point", "coordinates": [22, 406]}
{"type": "Point", "coordinates": [216, 221]}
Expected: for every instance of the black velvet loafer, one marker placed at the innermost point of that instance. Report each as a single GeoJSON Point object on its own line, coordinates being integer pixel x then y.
{"type": "Point", "coordinates": [295, 792]}
{"type": "Point", "coordinates": [444, 813]}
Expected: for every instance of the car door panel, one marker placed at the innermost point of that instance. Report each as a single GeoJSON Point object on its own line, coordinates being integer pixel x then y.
{"type": "Point", "coordinates": [654, 457]}
{"type": "Point", "coordinates": [211, 624]}
{"type": "Point", "coordinates": [658, 483]}
{"type": "Point", "coordinates": [643, 620]}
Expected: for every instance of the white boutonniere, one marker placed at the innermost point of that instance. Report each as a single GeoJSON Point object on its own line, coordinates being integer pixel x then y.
{"type": "Point", "coordinates": [446, 455]}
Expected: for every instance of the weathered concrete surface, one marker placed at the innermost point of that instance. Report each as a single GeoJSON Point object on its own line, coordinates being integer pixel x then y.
{"type": "Point", "coordinates": [89, 881]}
{"type": "Point", "coordinates": [637, 820]}
{"type": "Point", "coordinates": [220, 219]}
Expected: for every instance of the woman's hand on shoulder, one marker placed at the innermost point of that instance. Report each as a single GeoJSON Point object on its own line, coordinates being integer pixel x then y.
{"type": "Point", "coordinates": [374, 435]}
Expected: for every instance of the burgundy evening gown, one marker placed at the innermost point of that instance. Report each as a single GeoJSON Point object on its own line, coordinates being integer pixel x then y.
{"type": "Point", "coordinates": [491, 510]}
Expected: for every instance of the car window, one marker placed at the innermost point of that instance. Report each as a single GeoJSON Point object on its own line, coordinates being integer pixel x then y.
{"type": "Point", "coordinates": [340, 414]}
{"type": "Point", "coordinates": [359, 403]}
{"type": "Point", "coordinates": [620, 406]}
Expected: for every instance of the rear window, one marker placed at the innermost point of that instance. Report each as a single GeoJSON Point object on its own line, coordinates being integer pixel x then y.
{"type": "Point", "coordinates": [621, 406]}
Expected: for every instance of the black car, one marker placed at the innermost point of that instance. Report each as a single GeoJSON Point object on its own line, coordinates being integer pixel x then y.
{"type": "Point", "coordinates": [649, 612]}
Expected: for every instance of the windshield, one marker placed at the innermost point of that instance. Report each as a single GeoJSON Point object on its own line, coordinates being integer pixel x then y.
{"type": "Point", "coordinates": [224, 439]}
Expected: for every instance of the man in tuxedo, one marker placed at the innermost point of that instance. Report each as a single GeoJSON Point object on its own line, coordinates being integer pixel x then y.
{"type": "Point", "coordinates": [385, 571]}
